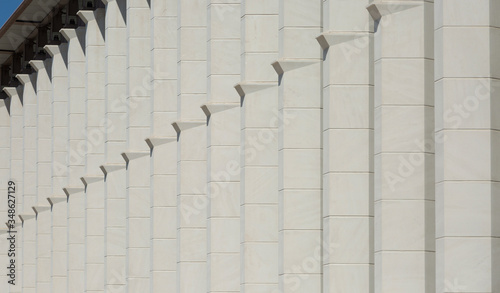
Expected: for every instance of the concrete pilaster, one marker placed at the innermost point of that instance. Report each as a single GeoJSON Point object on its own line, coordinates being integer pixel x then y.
{"type": "Point", "coordinates": [299, 145]}
{"type": "Point", "coordinates": [467, 142]}
{"type": "Point", "coordinates": [94, 157]}
{"type": "Point", "coordinates": [347, 43]}
{"type": "Point", "coordinates": [163, 144]}
{"type": "Point", "coordinates": [259, 146]}
{"type": "Point", "coordinates": [137, 155]}
{"type": "Point", "coordinates": [191, 147]}
{"type": "Point", "coordinates": [223, 146]}
{"type": "Point", "coordinates": [77, 149]}
{"type": "Point", "coordinates": [44, 172]}
{"type": "Point", "coordinates": [26, 212]}
{"type": "Point", "coordinates": [60, 140]}
{"type": "Point", "coordinates": [404, 149]}
{"type": "Point", "coordinates": [116, 143]}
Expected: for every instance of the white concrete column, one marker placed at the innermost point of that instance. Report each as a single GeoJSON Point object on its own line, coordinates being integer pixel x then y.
{"type": "Point", "coordinates": [77, 149]}
{"type": "Point", "coordinates": [26, 213]}
{"type": "Point", "coordinates": [16, 174]}
{"type": "Point", "coordinates": [299, 145]}
{"type": "Point", "coordinates": [259, 146]}
{"type": "Point", "coordinates": [44, 173]}
{"type": "Point", "coordinates": [5, 164]}
{"type": "Point", "coordinates": [191, 146]}
{"type": "Point", "coordinates": [163, 145]}
{"type": "Point", "coordinates": [57, 199]}
{"type": "Point", "coordinates": [404, 149]}
{"type": "Point", "coordinates": [467, 136]}
{"type": "Point", "coordinates": [223, 146]}
{"type": "Point", "coordinates": [137, 155]}
{"type": "Point", "coordinates": [116, 143]}
{"type": "Point", "coordinates": [94, 157]}
{"type": "Point", "coordinates": [347, 43]}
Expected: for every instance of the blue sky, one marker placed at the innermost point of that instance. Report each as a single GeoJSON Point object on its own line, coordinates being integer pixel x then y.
{"type": "Point", "coordinates": [7, 7]}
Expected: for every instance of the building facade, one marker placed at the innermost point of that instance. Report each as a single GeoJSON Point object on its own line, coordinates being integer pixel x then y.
{"type": "Point", "coordinates": [256, 146]}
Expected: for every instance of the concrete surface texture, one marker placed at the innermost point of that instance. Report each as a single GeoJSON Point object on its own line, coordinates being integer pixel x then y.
{"type": "Point", "coordinates": [258, 146]}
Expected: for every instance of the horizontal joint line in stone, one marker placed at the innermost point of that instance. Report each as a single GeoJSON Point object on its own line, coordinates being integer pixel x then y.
{"type": "Point", "coordinates": [293, 148]}
{"type": "Point", "coordinates": [401, 153]}
{"type": "Point", "coordinates": [403, 251]}
{"type": "Point", "coordinates": [454, 236]}
{"type": "Point", "coordinates": [258, 52]}
{"type": "Point", "coordinates": [403, 199]}
{"type": "Point", "coordinates": [348, 216]}
{"type": "Point", "coordinates": [259, 204]}
{"type": "Point", "coordinates": [298, 189]}
{"type": "Point", "coordinates": [300, 274]}
{"type": "Point", "coordinates": [402, 58]}
{"type": "Point", "coordinates": [347, 264]}
{"type": "Point", "coordinates": [298, 26]}
{"type": "Point", "coordinates": [354, 128]}
{"type": "Point", "coordinates": [405, 105]}
{"type": "Point", "coordinates": [470, 181]}
{"type": "Point", "coordinates": [466, 26]}
{"type": "Point", "coordinates": [466, 129]}
{"type": "Point", "coordinates": [367, 85]}
{"type": "Point", "coordinates": [466, 78]}
{"type": "Point", "coordinates": [259, 241]}
{"type": "Point", "coordinates": [299, 108]}
{"type": "Point", "coordinates": [258, 127]}
{"type": "Point", "coordinates": [301, 229]}
{"type": "Point", "coordinates": [349, 172]}
{"type": "Point", "coordinates": [222, 39]}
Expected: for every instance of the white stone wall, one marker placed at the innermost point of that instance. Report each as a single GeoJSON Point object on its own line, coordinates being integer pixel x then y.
{"type": "Point", "coordinates": [259, 146]}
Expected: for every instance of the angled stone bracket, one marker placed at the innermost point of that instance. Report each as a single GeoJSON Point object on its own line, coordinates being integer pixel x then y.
{"type": "Point", "coordinates": [179, 126]}
{"type": "Point", "coordinates": [212, 108]}
{"type": "Point", "coordinates": [56, 199]}
{"type": "Point", "coordinates": [23, 78]}
{"type": "Point", "coordinates": [329, 39]}
{"type": "Point", "coordinates": [131, 155]}
{"type": "Point", "coordinates": [52, 50]}
{"type": "Point", "coordinates": [108, 168]}
{"type": "Point", "coordinates": [39, 209]}
{"type": "Point", "coordinates": [17, 224]}
{"type": "Point", "coordinates": [86, 15]}
{"type": "Point", "coordinates": [157, 140]}
{"type": "Point", "coordinates": [72, 190]}
{"type": "Point", "coordinates": [380, 8]}
{"type": "Point", "coordinates": [25, 217]}
{"type": "Point", "coordinates": [91, 179]}
{"type": "Point", "coordinates": [10, 91]}
{"type": "Point", "coordinates": [283, 65]}
{"type": "Point", "coordinates": [37, 64]}
{"type": "Point", "coordinates": [68, 33]}
{"type": "Point", "coordinates": [244, 88]}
